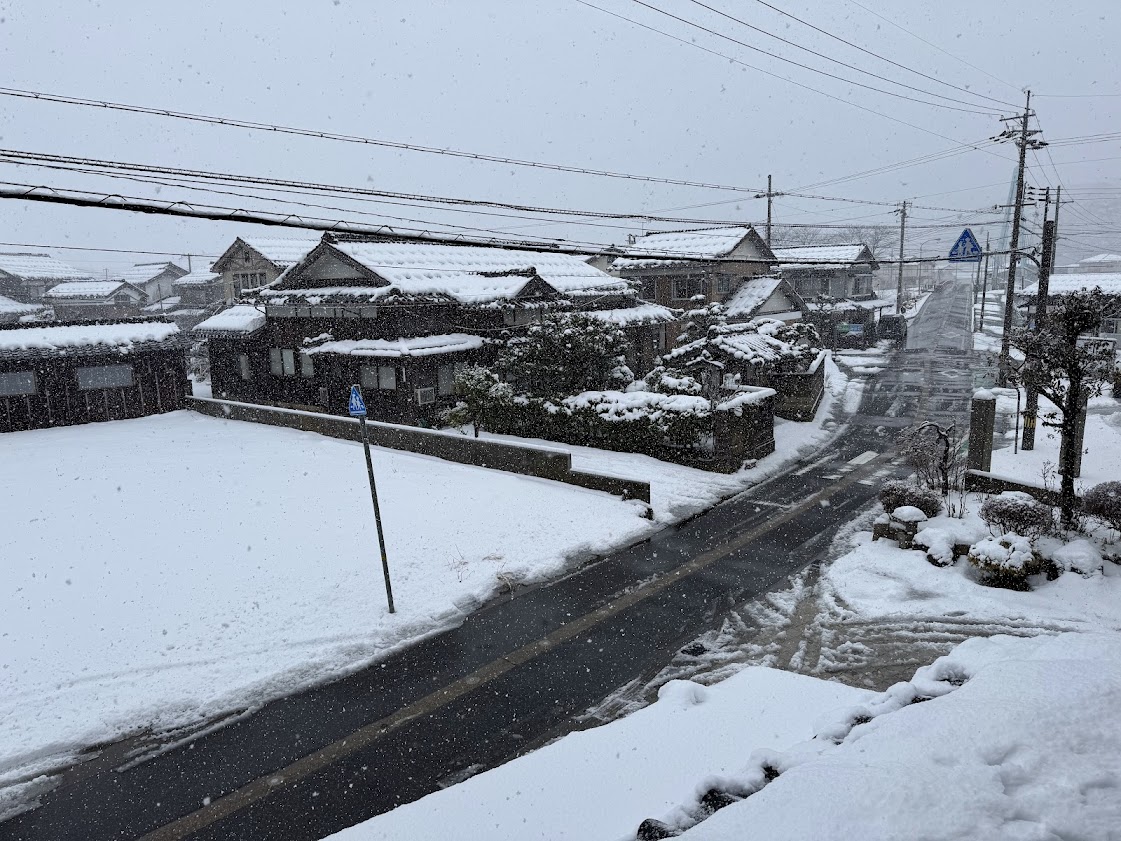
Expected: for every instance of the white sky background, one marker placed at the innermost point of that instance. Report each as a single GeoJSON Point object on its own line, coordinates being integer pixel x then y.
{"type": "Point", "coordinates": [552, 81]}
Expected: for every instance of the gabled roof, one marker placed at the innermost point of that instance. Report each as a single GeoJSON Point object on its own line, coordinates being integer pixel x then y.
{"type": "Point", "coordinates": [1062, 284]}
{"type": "Point", "coordinates": [238, 321]}
{"type": "Point", "coordinates": [199, 277]}
{"type": "Point", "coordinates": [705, 244]}
{"type": "Point", "coordinates": [825, 256]}
{"type": "Point", "coordinates": [28, 266]}
{"type": "Point", "coordinates": [89, 289]}
{"type": "Point", "coordinates": [90, 337]}
{"type": "Point", "coordinates": [1102, 258]}
{"type": "Point", "coordinates": [467, 274]}
{"type": "Point", "coordinates": [142, 273]}
{"type": "Point", "coordinates": [282, 253]}
{"type": "Point", "coordinates": [756, 291]}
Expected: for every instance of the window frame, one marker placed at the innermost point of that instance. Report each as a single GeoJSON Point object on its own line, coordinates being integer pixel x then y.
{"type": "Point", "coordinates": [23, 392]}
{"type": "Point", "coordinates": [245, 369]}
{"type": "Point", "coordinates": [95, 386]}
{"type": "Point", "coordinates": [445, 376]}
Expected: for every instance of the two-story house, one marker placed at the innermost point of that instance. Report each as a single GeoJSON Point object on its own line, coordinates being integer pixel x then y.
{"type": "Point", "coordinates": [25, 276]}
{"type": "Point", "coordinates": [155, 280]}
{"type": "Point", "coordinates": [829, 271]}
{"type": "Point", "coordinates": [253, 262]}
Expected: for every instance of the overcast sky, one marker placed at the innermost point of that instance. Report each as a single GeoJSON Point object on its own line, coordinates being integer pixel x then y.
{"type": "Point", "coordinates": [553, 81]}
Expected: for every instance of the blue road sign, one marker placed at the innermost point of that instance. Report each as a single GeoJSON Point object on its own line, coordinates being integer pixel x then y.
{"type": "Point", "coordinates": [356, 406]}
{"type": "Point", "coordinates": [966, 249]}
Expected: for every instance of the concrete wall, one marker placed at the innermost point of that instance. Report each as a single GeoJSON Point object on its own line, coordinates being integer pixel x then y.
{"type": "Point", "coordinates": [981, 481]}
{"type": "Point", "coordinates": [513, 458]}
{"type": "Point", "coordinates": [799, 395]}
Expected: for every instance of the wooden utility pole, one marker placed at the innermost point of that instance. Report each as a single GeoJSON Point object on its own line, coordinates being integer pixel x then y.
{"type": "Point", "coordinates": [902, 233]}
{"type": "Point", "coordinates": [984, 286]}
{"type": "Point", "coordinates": [1031, 404]}
{"type": "Point", "coordinates": [1013, 245]}
{"type": "Point", "coordinates": [770, 196]}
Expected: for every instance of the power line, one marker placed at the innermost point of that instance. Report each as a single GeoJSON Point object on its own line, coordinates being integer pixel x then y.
{"type": "Point", "coordinates": [367, 141]}
{"type": "Point", "coordinates": [812, 69]}
{"type": "Point", "coordinates": [934, 46]}
{"type": "Point", "coordinates": [104, 250]}
{"type": "Point", "coordinates": [733, 60]}
{"type": "Point", "coordinates": [820, 54]}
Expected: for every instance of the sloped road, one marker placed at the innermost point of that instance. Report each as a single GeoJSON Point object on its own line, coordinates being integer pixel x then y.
{"type": "Point", "coordinates": [514, 675]}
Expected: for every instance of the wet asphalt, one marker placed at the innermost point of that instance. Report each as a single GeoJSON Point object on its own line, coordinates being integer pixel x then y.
{"type": "Point", "coordinates": [514, 674]}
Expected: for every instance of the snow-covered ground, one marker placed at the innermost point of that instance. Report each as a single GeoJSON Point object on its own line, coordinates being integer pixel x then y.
{"type": "Point", "coordinates": [678, 492]}
{"type": "Point", "coordinates": [163, 571]}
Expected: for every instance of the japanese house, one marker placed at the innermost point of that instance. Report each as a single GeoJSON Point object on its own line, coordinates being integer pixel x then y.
{"type": "Point", "coordinates": [59, 374]}
{"type": "Point", "coordinates": [829, 271]}
{"type": "Point", "coordinates": [155, 280]}
{"type": "Point", "coordinates": [94, 299]}
{"type": "Point", "coordinates": [767, 295]}
{"type": "Point", "coordinates": [12, 311]}
{"type": "Point", "coordinates": [399, 319]}
{"type": "Point", "coordinates": [675, 267]}
{"type": "Point", "coordinates": [253, 262]}
{"type": "Point", "coordinates": [26, 277]}
{"type": "Point", "coordinates": [1064, 284]}
{"type": "Point", "coordinates": [199, 289]}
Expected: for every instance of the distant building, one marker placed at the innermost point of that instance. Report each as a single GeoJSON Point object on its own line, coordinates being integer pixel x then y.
{"type": "Point", "coordinates": [253, 262]}
{"type": "Point", "coordinates": [155, 280]}
{"type": "Point", "coordinates": [1098, 264]}
{"type": "Point", "coordinates": [767, 295]}
{"type": "Point", "coordinates": [677, 266]}
{"type": "Point", "coordinates": [94, 299]}
{"type": "Point", "coordinates": [401, 318]}
{"type": "Point", "coordinates": [1064, 284]}
{"type": "Point", "coordinates": [59, 374]}
{"type": "Point", "coordinates": [26, 276]}
{"type": "Point", "coordinates": [200, 288]}
{"type": "Point", "coordinates": [12, 311]}
{"type": "Point", "coordinates": [829, 271]}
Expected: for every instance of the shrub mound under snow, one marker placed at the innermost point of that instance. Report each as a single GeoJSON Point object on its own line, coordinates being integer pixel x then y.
{"type": "Point", "coordinates": [1080, 556]}
{"type": "Point", "coordinates": [1104, 502]}
{"type": "Point", "coordinates": [938, 543]}
{"type": "Point", "coordinates": [1019, 512]}
{"type": "Point", "coordinates": [898, 493]}
{"type": "Point", "coordinates": [1005, 561]}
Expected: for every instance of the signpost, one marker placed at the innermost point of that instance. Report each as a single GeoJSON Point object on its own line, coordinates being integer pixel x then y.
{"type": "Point", "coordinates": [966, 249]}
{"type": "Point", "coordinates": [356, 406]}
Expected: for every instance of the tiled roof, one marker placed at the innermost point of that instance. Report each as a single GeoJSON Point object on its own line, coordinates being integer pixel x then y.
{"type": "Point", "coordinates": [141, 273]}
{"type": "Point", "coordinates": [416, 346]}
{"type": "Point", "coordinates": [1102, 258]}
{"type": "Point", "coordinates": [751, 295]}
{"type": "Point", "coordinates": [1061, 284]}
{"type": "Point", "coordinates": [40, 267]}
{"type": "Point", "coordinates": [710, 243]}
{"type": "Point", "coordinates": [281, 252]}
{"type": "Point", "coordinates": [10, 307]}
{"type": "Point", "coordinates": [644, 313]}
{"type": "Point", "coordinates": [198, 277]}
{"type": "Point", "coordinates": [240, 319]}
{"type": "Point", "coordinates": [825, 256]}
{"type": "Point", "coordinates": [51, 339]}
{"type": "Point", "coordinates": [85, 289]}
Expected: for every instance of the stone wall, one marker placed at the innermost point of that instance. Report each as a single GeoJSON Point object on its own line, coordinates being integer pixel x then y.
{"type": "Point", "coordinates": [450, 446]}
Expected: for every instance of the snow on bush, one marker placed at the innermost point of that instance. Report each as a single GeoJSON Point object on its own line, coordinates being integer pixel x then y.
{"type": "Point", "coordinates": [898, 493]}
{"type": "Point", "coordinates": [908, 514]}
{"type": "Point", "coordinates": [1019, 512]}
{"type": "Point", "coordinates": [1081, 556]}
{"type": "Point", "coordinates": [1005, 561]}
{"type": "Point", "coordinates": [1104, 502]}
{"type": "Point", "coordinates": [938, 544]}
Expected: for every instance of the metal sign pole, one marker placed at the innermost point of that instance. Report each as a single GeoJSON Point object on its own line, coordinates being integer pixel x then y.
{"type": "Point", "coordinates": [357, 409]}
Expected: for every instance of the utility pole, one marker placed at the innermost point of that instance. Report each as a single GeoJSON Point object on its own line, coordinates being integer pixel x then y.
{"type": "Point", "coordinates": [188, 264]}
{"type": "Point", "coordinates": [984, 286]}
{"type": "Point", "coordinates": [1031, 404]}
{"type": "Point", "coordinates": [902, 233]}
{"type": "Point", "coordinates": [770, 196]}
{"type": "Point", "coordinates": [1014, 243]}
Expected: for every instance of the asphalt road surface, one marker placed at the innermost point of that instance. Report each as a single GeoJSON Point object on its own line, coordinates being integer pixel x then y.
{"type": "Point", "coordinates": [516, 673]}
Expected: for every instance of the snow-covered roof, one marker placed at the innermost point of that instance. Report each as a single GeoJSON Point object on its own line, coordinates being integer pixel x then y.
{"type": "Point", "coordinates": [72, 338]}
{"type": "Point", "coordinates": [469, 274]}
{"type": "Point", "coordinates": [419, 346]}
{"type": "Point", "coordinates": [164, 304]}
{"type": "Point", "coordinates": [751, 295]}
{"type": "Point", "coordinates": [743, 344]}
{"type": "Point", "coordinates": [84, 289]}
{"type": "Point", "coordinates": [141, 273]}
{"type": "Point", "coordinates": [240, 319]}
{"type": "Point", "coordinates": [10, 307]}
{"type": "Point", "coordinates": [709, 243]}
{"type": "Point", "coordinates": [1062, 284]}
{"type": "Point", "coordinates": [199, 277]}
{"type": "Point", "coordinates": [281, 252]}
{"type": "Point", "coordinates": [40, 267]}
{"type": "Point", "coordinates": [644, 313]}
{"type": "Point", "coordinates": [822, 256]}
{"type": "Point", "coordinates": [1102, 258]}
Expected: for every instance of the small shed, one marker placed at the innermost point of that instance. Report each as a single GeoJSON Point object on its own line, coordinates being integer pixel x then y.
{"type": "Point", "coordinates": [59, 374]}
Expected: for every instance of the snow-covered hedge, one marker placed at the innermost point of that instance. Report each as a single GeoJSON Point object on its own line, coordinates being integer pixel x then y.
{"type": "Point", "coordinates": [1104, 502]}
{"type": "Point", "coordinates": [1006, 561]}
{"type": "Point", "coordinates": [898, 493]}
{"type": "Point", "coordinates": [1019, 512]}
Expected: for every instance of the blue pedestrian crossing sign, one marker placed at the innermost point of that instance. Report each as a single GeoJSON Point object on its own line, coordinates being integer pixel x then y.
{"type": "Point", "coordinates": [356, 405]}
{"type": "Point", "coordinates": [966, 249]}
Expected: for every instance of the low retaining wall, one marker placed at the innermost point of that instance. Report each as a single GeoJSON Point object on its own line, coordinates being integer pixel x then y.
{"type": "Point", "coordinates": [981, 481]}
{"type": "Point", "coordinates": [513, 458]}
{"type": "Point", "coordinates": [800, 394]}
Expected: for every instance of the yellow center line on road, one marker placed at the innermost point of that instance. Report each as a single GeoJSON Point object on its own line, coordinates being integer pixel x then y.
{"type": "Point", "coordinates": [272, 782]}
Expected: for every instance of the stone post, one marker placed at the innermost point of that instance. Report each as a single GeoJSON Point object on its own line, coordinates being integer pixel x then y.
{"type": "Point", "coordinates": [982, 420]}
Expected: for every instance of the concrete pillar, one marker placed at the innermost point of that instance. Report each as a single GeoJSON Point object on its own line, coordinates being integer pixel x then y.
{"type": "Point", "coordinates": [982, 420]}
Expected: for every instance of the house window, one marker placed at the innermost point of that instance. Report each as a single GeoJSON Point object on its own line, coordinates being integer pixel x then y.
{"type": "Point", "coordinates": [1109, 325]}
{"type": "Point", "coordinates": [383, 377]}
{"type": "Point", "coordinates": [247, 280]}
{"type": "Point", "coordinates": [307, 367]}
{"type": "Point", "coordinates": [282, 362]}
{"type": "Point", "coordinates": [122, 299]}
{"type": "Point", "coordinates": [723, 285]}
{"type": "Point", "coordinates": [684, 288]}
{"type": "Point", "coordinates": [445, 380]}
{"type": "Point", "coordinates": [15, 383]}
{"type": "Point", "coordinates": [243, 367]}
{"type": "Point", "coordinates": [425, 396]}
{"type": "Point", "coordinates": [104, 376]}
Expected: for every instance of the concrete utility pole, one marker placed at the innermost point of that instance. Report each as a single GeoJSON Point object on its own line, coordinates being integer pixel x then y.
{"type": "Point", "coordinates": [984, 286]}
{"type": "Point", "coordinates": [1014, 242]}
{"type": "Point", "coordinates": [1031, 405]}
{"type": "Point", "coordinates": [902, 233]}
{"type": "Point", "coordinates": [769, 195]}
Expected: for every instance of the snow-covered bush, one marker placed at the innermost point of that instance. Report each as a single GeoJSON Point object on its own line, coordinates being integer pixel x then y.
{"type": "Point", "coordinates": [898, 493]}
{"type": "Point", "coordinates": [1104, 502]}
{"type": "Point", "coordinates": [1006, 561]}
{"type": "Point", "coordinates": [938, 544]}
{"type": "Point", "coordinates": [1019, 512]}
{"type": "Point", "coordinates": [1079, 556]}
